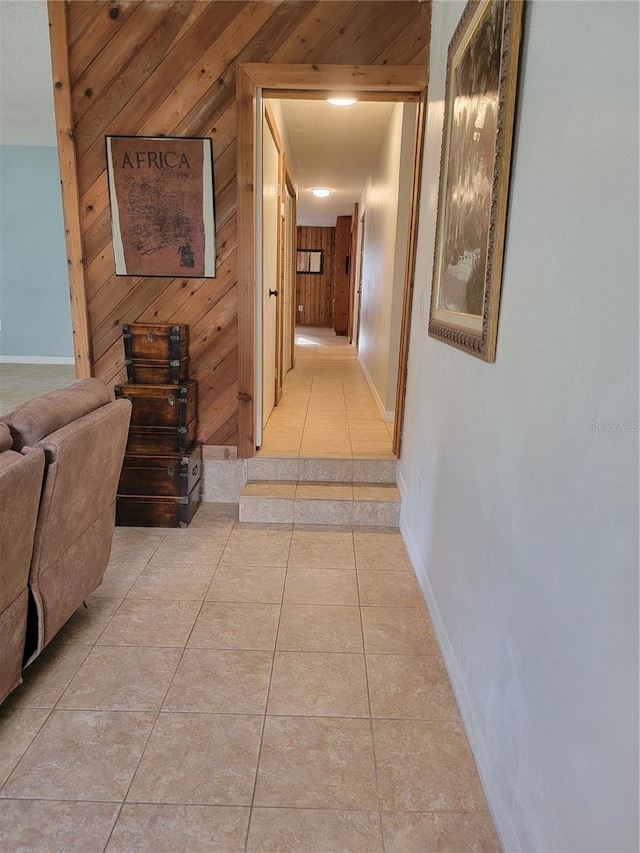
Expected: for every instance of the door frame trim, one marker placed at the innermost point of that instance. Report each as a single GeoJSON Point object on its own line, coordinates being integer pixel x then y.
{"type": "Point", "coordinates": [397, 82]}
{"type": "Point", "coordinates": [290, 188]}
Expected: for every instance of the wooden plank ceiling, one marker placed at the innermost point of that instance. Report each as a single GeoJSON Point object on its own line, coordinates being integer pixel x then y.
{"type": "Point", "coordinates": [168, 68]}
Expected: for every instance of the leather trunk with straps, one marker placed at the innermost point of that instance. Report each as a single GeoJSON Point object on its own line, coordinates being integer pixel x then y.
{"type": "Point", "coordinates": [157, 372]}
{"type": "Point", "coordinates": [156, 354]}
{"type": "Point", "coordinates": [161, 405]}
{"type": "Point", "coordinates": [156, 511]}
{"type": "Point", "coordinates": [154, 440]}
{"type": "Point", "coordinates": [161, 475]}
{"type": "Point", "coordinates": [155, 342]}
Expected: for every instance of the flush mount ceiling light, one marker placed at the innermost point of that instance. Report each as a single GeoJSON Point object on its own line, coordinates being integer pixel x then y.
{"type": "Point", "coordinates": [321, 192]}
{"type": "Point", "coordinates": [342, 102]}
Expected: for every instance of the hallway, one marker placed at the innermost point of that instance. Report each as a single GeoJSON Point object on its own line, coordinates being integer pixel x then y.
{"type": "Point", "coordinates": [242, 687]}
{"type": "Point", "coordinates": [327, 408]}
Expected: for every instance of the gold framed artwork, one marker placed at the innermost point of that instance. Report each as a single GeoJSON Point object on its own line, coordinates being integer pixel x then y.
{"type": "Point", "coordinates": [162, 206]}
{"type": "Point", "coordinates": [480, 100]}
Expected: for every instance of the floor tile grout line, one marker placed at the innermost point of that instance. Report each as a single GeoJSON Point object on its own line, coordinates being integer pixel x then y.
{"type": "Point", "coordinates": [71, 680]}
{"type": "Point", "coordinates": [153, 726]}
{"type": "Point", "coordinates": [266, 701]}
{"type": "Point", "coordinates": [124, 598]}
{"type": "Point", "coordinates": [238, 648]}
{"type": "Point", "coordinates": [164, 698]}
{"type": "Point", "coordinates": [36, 733]}
{"type": "Point", "coordinates": [307, 716]}
{"type": "Point", "coordinates": [218, 563]}
{"type": "Point", "coordinates": [373, 746]}
{"type": "Point", "coordinates": [245, 806]}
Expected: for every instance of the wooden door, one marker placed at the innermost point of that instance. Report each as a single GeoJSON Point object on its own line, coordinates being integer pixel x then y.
{"type": "Point", "coordinates": [341, 275]}
{"type": "Point", "coordinates": [270, 228]}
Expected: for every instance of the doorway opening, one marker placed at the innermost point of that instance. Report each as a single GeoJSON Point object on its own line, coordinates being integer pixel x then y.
{"type": "Point", "coordinates": [362, 154]}
{"type": "Point", "coordinates": [275, 316]}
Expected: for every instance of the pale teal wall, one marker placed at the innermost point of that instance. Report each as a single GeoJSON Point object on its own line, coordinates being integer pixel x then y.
{"type": "Point", "coordinates": [34, 293]}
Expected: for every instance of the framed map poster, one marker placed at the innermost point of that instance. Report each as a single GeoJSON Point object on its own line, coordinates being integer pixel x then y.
{"type": "Point", "coordinates": [162, 206]}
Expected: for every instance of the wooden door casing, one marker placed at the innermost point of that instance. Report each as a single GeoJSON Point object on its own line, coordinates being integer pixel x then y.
{"type": "Point", "coordinates": [352, 272]}
{"type": "Point", "coordinates": [270, 267]}
{"type": "Point", "coordinates": [288, 274]}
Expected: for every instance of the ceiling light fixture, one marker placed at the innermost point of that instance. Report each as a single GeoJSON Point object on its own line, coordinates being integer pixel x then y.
{"type": "Point", "coordinates": [342, 102]}
{"type": "Point", "coordinates": [321, 192]}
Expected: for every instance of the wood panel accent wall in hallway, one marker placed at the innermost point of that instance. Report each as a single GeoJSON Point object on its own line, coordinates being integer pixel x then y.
{"type": "Point", "coordinates": [313, 292]}
{"type": "Point", "coordinates": [169, 68]}
{"type": "Point", "coordinates": [341, 273]}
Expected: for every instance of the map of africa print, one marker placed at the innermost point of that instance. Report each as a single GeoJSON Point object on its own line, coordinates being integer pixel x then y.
{"type": "Point", "coordinates": [162, 209]}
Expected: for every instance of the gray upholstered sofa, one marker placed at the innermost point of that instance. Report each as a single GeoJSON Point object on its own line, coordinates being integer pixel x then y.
{"type": "Point", "coordinates": [82, 432]}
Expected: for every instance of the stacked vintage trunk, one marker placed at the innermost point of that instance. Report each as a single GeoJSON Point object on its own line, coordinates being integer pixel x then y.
{"type": "Point", "coordinates": [160, 480]}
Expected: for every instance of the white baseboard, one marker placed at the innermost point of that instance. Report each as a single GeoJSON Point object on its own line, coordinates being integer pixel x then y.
{"type": "Point", "coordinates": [387, 416]}
{"type": "Point", "coordinates": [497, 806]}
{"type": "Point", "coordinates": [36, 359]}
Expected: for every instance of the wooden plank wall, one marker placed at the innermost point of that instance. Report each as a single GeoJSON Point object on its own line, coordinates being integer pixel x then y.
{"type": "Point", "coordinates": [313, 292]}
{"type": "Point", "coordinates": [169, 68]}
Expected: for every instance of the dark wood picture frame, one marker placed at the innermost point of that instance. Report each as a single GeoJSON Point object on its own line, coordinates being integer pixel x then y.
{"type": "Point", "coordinates": [304, 262]}
{"type": "Point", "coordinates": [161, 193]}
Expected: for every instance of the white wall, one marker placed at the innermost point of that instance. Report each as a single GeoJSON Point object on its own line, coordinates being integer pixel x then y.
{"type": "Point", "coordinates": [526, 537]}
{"type": "Point", "coordinates": [385, 203]}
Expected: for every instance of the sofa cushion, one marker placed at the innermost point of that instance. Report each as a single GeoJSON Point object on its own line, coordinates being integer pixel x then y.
{"type": "Point", "coordinates": [84, 459]}
{"type": "Point", "coordinates": [32, 421]}
{"type": "Point", "coordinates": [20, 487]}
{"type": "Point", "coordinates": [77, 514]}
{"type": "Point", "coordinates": [5, 438]}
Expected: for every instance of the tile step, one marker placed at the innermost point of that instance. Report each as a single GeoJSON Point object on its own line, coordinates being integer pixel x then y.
{"type": "Point", "coordinates": [321, 469]}
{"type": "Point", "coordinates": [304, 502]}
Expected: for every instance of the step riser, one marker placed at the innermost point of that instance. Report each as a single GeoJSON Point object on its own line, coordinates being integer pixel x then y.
{"type": "Point", "coordinates": [322, 470]}
{"type": "Point", "coordinates": [319, 511]}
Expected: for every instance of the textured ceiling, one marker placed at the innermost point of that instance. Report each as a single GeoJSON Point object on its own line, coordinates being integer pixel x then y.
{"type": "Point", "coordinates": [334, 147]}
{"type": "Point", "coordinates": [26, 97]}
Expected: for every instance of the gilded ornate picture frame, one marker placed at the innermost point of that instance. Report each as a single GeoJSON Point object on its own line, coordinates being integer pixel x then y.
{"type": "Point", "coordinates": [480, 100]}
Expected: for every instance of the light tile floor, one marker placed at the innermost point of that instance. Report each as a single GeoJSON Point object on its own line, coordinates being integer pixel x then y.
{"type": "Point", "coordinates": [243, 687]}
{"type": "Point", "coordinates": [20, 382]}
{"type": "Point", "coordinates": [327, 408]}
